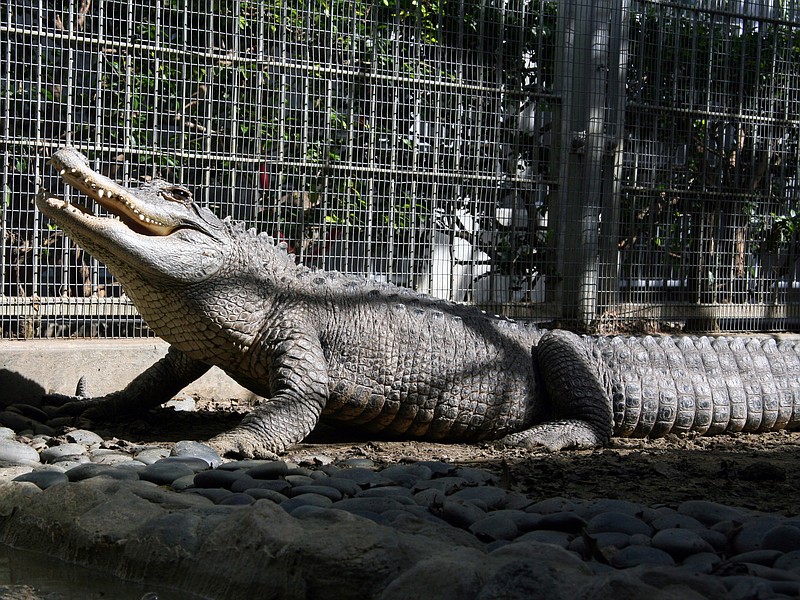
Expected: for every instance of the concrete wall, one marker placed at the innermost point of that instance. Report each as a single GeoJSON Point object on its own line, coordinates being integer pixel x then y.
{"type": "Point", "coordinates": [31, 368]}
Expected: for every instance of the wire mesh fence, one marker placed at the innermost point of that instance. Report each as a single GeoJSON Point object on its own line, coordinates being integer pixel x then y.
{"type": "Point", "coordinates": [708, 206]}
{"type": "Point", "coordinates": [610, 164]}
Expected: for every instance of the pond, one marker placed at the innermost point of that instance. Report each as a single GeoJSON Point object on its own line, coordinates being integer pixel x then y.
{"type": "Point", "coordinates": [54, 579]}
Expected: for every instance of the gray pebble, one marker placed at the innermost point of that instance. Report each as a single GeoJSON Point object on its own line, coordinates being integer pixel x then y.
{"type": "Point", "coordinates": [323, 490]}
{"type": "Point", "coordinates": [477, 476]}
{"type": "Point", "coordinates": [192, 462]}
{"type": "Point", "coordinates": [84, 436]}
{"type": "Point", "coordinates": [6, 433]}
{"type": "Point", "coordinates": [235, 465]}
{"type": "Point", "coordinates": [182, 483]}
{"type": "Point", "coordinates": [375, 505]}
{"type": "Point", "coordinates": [494, 527]}
{"type": "Point", "coordinates": [70, 462]}
{"type": "Point", "coordinates": [89, 470]}
{"type": "Point", "coordinates": [397, 492]}
{"type": "Point", "coordinates": [17, 453]}
{"type": "Point", "coordinates": [364, 477]}
{"type": "Point", "coordinates": [546, 536]}
{"type": "Point", "coordinates": [216, 478]}
{"type": "Point", "coordinates": [43, 479]}
{"type": "Point", "coordinates": [297, 480]}
{"type": "Point", "coordinates": [164, 473]}
{"type": "Point", "coordinates": [592, 508]}
{"type": "Point", "coordinates": [437, 467]}
{"type": "Point", "coordinates": [718, 540]}
{"type": "Point", "coordinates": [789, 561]}
{"type": "Point", "coordinates": [633, 556]}
{"type": "Point", "coordinates": [271, 470]}
{"type": "Point", "coordinates": [244, 482]}
{"type": "Point", "coordinates": [617, 522]}
{"type": "Point", "coordinates": [54, 453]}
{"type": "Point", "coordinates": [397, 473]}
{"type": "Point", "coordinates": [198, 450]}
{"type": "Point", "coordinates": [461, 514]}
{"type": "Point", "coordinates": [304, 500]}
{"type": "Point", "coordinates": [265, 494]}
{"type": "Point", "coordinates": [759, 557]}
{"type": "Point", "coordinates": [444, 484]}
{"type": "Point", "coordinates": [782, 537]}
{"type": "Point", "coordinates": [429, 497]}
{"type": "Point", "coordinates": [675, 520]}
{"type": "Point", "coordinates": [709, 513]}
{"type": "Point", "coordinates": [216, 495]}
{"type": "Point", "coordinates": [237, 500]}
{"type": "Point", "coordinates": [347, 487]}
{"type": "Point", "coordinates": [552, 505]}
{"type": "Point", "coordinates": [109, 457]}
{"type": "Point", "coordinates": [73, 458]}
{"type": "Point", "coordinates": [704, 560]}
{"type": "Point", "coordinates": [680, 543]}
{"type": "Point", "coordinates": [750, 536]}
{"type": "Point", "coordinates": [493, 497]}
{"type": "Point", "coordinates": [562, 521]}
{"type": "Point", "coordinates": [150, 455]}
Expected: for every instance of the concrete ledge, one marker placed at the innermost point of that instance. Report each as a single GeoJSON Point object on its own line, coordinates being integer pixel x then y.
{"type": "Point", "coordinates": [31, 368]}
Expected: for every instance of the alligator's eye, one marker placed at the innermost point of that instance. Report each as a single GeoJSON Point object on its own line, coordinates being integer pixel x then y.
{"type": "Point", "coordinates": [177, 193]}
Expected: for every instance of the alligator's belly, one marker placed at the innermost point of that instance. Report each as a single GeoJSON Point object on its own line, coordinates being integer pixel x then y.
{"type": "Point", "coordinates": [460, 406]}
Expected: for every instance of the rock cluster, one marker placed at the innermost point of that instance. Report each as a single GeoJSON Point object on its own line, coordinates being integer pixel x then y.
{"type": "Point", "coordinates": [184, 518]}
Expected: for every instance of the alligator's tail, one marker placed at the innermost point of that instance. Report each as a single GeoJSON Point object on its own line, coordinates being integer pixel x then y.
{"type": "Point", "coordinates": [652, 386]}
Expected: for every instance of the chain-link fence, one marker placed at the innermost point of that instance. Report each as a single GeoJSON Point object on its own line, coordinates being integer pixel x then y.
{"type": "Point", "coordinates": [612, 164]}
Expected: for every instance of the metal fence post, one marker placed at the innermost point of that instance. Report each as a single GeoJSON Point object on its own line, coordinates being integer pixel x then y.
{"type": "Point", "coordinates": [584, 68]}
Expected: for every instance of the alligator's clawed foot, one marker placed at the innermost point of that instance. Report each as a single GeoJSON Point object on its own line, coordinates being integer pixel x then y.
{"type": "Point", "coordinates": [88, 409]}
{"type": "Point", "coordinates": [557, 435]}
{"type": "Point", "coordinates": [238, 445]}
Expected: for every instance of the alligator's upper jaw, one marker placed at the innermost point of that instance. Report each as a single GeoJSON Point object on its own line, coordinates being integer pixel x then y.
{"type": "Point", "coordinates": [74, 169]}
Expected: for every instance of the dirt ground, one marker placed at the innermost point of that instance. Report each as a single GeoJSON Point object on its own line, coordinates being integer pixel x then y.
{"type": "Point", "coordinates": [757, 471]}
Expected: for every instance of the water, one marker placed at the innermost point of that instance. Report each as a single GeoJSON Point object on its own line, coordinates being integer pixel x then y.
{"type": "Point", "coordinates": [54, 579]}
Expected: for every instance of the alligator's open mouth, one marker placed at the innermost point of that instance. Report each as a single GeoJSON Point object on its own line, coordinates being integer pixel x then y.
{"type": "Point", "coordinates": [123, 204]}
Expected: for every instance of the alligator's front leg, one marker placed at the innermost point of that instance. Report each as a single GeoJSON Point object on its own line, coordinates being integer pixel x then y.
{"type": "Point", "coordinates": [297, 373]}
{"type": "Point", "coordinates": [578, 389]}
{"type": "Point", "coordinates": [154, 386]}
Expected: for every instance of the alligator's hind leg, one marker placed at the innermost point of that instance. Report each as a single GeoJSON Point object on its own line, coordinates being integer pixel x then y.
{"type": "Point", "coordinates": [578, 391]}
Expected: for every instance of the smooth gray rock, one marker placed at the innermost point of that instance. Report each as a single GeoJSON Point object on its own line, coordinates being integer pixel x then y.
{"type": "Point", "coordinates": [43, 479]}
{"type": "Point", "coordinates": [710, 513]}
{"type": "Point", "coordinates": [54, 453]}
{"type": "Point", "coordinates": [494, 527]}
{"type": "Point", "coordinates": [782, 537]}
{"type": "Point", "coordinates": [17, 453]}
{"type": "Point", "coordinates": [197, 450]}
{"type": "Point", "coordinates": [633, 556]}
{"type": "Point", "coordinates": [493, 497]}
{"type": "Point", "coordinates": [269, 470]}
{"type": "Point", "coordinates": [162, 473]}
{"type": "Point", "coordinates": [608, 522]}
{"type": "Point", "coordinates": [84, 436]}
{"type": "Point", "coordinates": [680, 543]}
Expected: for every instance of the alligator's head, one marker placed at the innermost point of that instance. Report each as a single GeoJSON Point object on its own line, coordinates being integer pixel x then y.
{"type": "Point", "coordinates": [155, 231]}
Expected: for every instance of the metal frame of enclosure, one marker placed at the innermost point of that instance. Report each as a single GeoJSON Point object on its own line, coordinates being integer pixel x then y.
{"type": "Point", "coordinates": [627, 165]}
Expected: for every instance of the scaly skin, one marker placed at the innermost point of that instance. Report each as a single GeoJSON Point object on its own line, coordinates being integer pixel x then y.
{"type": "Point", "coordinates": [317, 345]}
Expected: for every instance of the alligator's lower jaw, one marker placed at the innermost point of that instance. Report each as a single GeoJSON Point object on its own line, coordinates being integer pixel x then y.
{"type": "Point", "coordinates": [60, 204]}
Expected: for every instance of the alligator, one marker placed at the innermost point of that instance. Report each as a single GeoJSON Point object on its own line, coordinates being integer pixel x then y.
{"type": "Point", "coordinates": [316, 345]}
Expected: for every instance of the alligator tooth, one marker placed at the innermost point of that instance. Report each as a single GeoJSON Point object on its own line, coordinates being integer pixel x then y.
{"type": "Point", "coordinates": [62, 172]}
{"type": "Point", "coordinates": [100, 193]}
{"type": "Point", "coordinates": [141, 217]}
